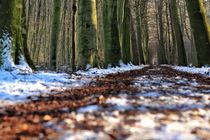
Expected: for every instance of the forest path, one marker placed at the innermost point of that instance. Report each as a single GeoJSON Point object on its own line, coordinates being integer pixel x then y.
{"type": "Point", "coordinates": [151, 103]}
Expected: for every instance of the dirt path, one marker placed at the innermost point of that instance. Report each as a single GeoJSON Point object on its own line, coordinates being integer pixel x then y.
{"type": "Point", "coordinates": [152, 103]}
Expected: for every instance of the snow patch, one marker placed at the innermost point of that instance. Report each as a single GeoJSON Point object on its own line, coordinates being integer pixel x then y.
{"type": "Point", "coordinates": [95, 72]}
{"type": "Point", "coordinates": [90, 108]}
{"type": "Point", "coordinates": [194, 70]}
{"type": "Point", "coordinates": [6, 50]}
{"type": "Point", "coordinates": [20, 83]}
{"type": "Point", "coordinates": [85, 135]}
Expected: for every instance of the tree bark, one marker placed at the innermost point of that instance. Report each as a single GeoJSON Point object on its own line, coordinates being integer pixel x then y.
{"type": "Point", "coordinates": [199, 32]}
{"type": "Point", "coordinates": [55, 34]}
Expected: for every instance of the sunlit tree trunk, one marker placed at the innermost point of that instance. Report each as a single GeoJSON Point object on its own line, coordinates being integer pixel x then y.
{"type": "Point", "coordinates": [205, 17]}
{"type": "Point", "coordinates": [199, 32]}
{"type": "Point", "coordinates": [86, 35]}
{"type": "Point", "coordinates": [123, 14]}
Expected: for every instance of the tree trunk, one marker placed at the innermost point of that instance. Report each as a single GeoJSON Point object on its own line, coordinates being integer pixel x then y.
{"type": "Point", "coordinates": [111, 36]}
{"type": "Point", "coordinates": [205, 17]}
{"type": "Point", "coordinates": [199, 32]}
{"type": "Point", "coordinates": [55, 34]}
{"type": "Point", "coordinates": [74, 9]}
{"type": "Point", "coordinates": [25, 36]}
{"type": "Point", "coordinates": [178, 44]}
{"type": "Point", "coordinates": [139, 33]}
{"type": "Point", "coordinates": [161, 52]}
{"type": "Point", "coordinates": [86, 35]}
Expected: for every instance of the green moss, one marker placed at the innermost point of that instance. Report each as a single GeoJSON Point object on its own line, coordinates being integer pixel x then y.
{"type": "Point", "coordinates": [16, 29]}
{"type": "Point", "coordinates": [55, 33]}
{"type": "Point", "coordinates": [199, 32]}
{"type": "Point", "coordinates": [204, 14]}
{"type": "Point", "coordinates": [86, 35]}
{"type": "Point", "coordinates": [111, 34]}
{"type": "Point", "coordinates": [123, 17]}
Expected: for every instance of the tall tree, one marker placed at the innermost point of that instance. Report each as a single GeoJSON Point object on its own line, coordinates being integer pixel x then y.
{"type": "Point", "coordinates": [55, 33]}
{"type": "Point", "coordinates": [5, 34]}
{"type": "Point", "coordinates": [111, 36]}
{"type": "Point", "coordinates": [25, 26]}
{"type": "Point", "coordinates": [205, 16]}
{"type": "Point", "coordinates": [74, 9]}
{"type": "Point", "coordinates": [11, 33]}
{"type": "Point", "coordinates": [139, 30]}
{"type": "Point", "coordinates": [161, 49]}
{"type": "Point", "coordinates": [86, 35]}
{"type": "Point", "coordinates": [199, 32]}
{"type": "Point", "coordinates": [123, 14]}
{"type": "Point", "coordinates": [177, 34]}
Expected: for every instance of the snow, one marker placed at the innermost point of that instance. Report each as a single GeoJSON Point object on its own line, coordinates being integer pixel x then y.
{"type": "Point", "coordinates": [85, 135]}
{"type": "Point", "coordinates": [95, 72]}
{"type": "Point", "coordinates": [6, 47]}
{"type": "Point", "coordinates": [90, 108]}
{"type": "Point", "coordinates": [194, 70]}
{"type": "Point", "coordinates": [16, 86]}
{"type": "Point", "coordinates": [19, 83]}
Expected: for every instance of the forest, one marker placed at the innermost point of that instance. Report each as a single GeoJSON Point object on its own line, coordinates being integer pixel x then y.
{"type": "Point", "coordinates": [105, 69]}
{"type": "Point", "coordinates": [99, 33]}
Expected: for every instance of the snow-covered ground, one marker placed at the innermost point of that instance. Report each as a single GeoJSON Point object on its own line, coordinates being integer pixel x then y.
{"type": "Point", "coordinates": [17, 85]}
{"type": "Point", "coordinates": [94, 72]}
{"type": "Point", "coordinates": [203, 70]}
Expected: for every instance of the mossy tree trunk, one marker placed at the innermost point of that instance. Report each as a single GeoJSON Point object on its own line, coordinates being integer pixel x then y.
{"type": "Point", "coordinates": [139, 32]}
{"type": "Point", "coordinates": [178, 43]}
{"type": "Point", "coordinates": [16, 29]}
{"type": "Point", "coordinates": [111, 36]}
{"type": "Point", "coordinates": [86, 35]}
{"type": "Point", "coordinates": [100, 32]}
{"type": "Point", "coordinates": [55, 33]}
{"type": "Point", "coordinates": [123, 14]}
{"type": "Point", "coordinates": [199, 32]}
{"type": "Point", "coordinates": [6, 16]}
{"type": "Point", "coordinates": [11, 24]}
{"type": "Point", "coordinates": [25, 25]}
{"type": "Point", "coordinates": [205, 17]}
{"type": "Point", "coordinates": [5, 23]}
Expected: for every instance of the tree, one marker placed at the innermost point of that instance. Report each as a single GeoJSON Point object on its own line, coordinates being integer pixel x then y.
{"type": "Point", "coordinates": [11, 34]}
{"type": "Point", "coordinates": [111, 37]}
{"type": "Point", "coordinates": [123, 14]}
{"type": "Point", "coordinates": [204, 11]}
{"type": "Point", "coordinates": [199, 32]}
{"type": "Point", "coordinates": [177, 34]}
{"type": "Point", "coordinates": [139, 30]}
{"type": "Point", "coordinates": [161, 50]}
{"type": "Point", "coordinates": [25, 26]}
{"type": "Point", "coordinates": [55, 34]}
{"type": "Point", "coordinates": [86, 35]}
{"type": "Point", "coordinates": [74, 9]}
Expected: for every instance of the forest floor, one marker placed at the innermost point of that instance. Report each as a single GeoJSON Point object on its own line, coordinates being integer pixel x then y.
{"type": "Point", "coordinates": [149, 103]}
